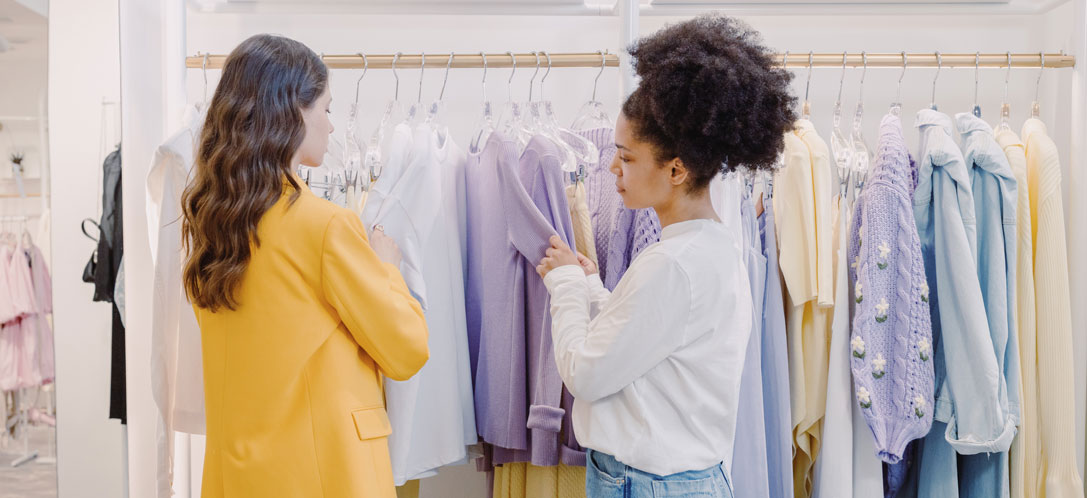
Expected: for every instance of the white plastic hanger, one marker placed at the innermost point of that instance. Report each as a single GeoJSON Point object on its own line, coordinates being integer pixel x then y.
{"type": "Point", "coordinates": [839, 142]}
{"type": "Point", "coordinates": [592, 115]}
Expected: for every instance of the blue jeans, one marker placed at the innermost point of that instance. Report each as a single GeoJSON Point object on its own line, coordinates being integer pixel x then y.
{"type": "Point", "coordinates": [606, 477]}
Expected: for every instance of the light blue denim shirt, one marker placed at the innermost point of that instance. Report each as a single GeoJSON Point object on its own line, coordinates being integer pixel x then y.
{"type": "Point", "coordinates": [971, 390]}
{"type": "Point", "coordinates": [994, 187]}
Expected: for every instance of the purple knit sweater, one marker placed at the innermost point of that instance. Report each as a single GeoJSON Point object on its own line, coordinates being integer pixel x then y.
{"type": "Point", "coordinates": [891, 343]}
{"type": "Point", "coordinates": [620, 233]}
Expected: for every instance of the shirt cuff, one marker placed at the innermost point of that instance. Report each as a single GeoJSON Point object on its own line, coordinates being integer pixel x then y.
{"type": "Point", "coordinates": [594, 282]}
{"type": "Point", "coordinates": [562, 275]}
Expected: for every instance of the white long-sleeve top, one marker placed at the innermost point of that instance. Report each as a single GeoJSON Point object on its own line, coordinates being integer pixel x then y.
{"type": "Point", "coordinates": [655, 366]}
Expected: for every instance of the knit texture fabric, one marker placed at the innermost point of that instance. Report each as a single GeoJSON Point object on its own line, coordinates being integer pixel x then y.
{"type": "Point", "coordinates": [579, 214]}
{"type": "Point", "coordinates": [620, 234]}
{"type": "Point", "coordinates": [891, 346]}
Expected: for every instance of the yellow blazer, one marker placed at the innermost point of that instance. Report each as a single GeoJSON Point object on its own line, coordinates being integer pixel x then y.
{"type": "Point", "coordinates": [293, 376]}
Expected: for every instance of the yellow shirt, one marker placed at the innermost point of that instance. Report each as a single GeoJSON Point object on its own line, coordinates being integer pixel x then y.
{"type": "Point", "coordinates": [805, 226]}
{"type": "Point", "coordinates": [1056, 391]}
{"type": "Point", "coordinates": [293, 376]}
{"type": "Point", "coordinates": [1026, 450]}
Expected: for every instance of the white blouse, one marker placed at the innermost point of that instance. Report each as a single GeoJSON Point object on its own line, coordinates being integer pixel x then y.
{"type": "Point", "coordinates": [655, 366]}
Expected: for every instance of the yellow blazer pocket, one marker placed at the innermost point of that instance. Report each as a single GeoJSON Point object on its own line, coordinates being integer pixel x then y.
{"type": "Point", "coordinates": [371, 423]}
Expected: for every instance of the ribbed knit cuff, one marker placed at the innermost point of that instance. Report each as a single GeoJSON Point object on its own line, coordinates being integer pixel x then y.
{"type": "Point", "coordinates": [543, 417]}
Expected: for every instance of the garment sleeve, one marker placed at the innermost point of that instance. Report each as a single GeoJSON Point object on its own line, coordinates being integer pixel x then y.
{"type": "Point", "coordinates": [978, 422]}
{"type": "Point", "coordinates": [794, 201]}
{"type": "Point", "coordinates": [372, 299]}
{"type": "Point", "coordinates": [643, 323]}
{"type": "Point", "coordinates": [527, 229]}
{"type": "Point", "coordinates": [598, 294]}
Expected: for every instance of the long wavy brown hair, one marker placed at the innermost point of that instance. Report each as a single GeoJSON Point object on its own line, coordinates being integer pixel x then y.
{"type": "Point", "coordinates": [253, 128]}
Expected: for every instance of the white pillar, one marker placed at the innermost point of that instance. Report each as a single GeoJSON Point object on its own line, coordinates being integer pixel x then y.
{"type": "Point", "coordinates": [1077, 218]}
{"type": "Point", "coordinates": [628, 14]}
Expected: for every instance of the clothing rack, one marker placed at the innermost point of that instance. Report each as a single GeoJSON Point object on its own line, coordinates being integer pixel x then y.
{"type": "Point", "coordinates": [593, 59]}
{"type": "Point", "coordinates": [438, 60]}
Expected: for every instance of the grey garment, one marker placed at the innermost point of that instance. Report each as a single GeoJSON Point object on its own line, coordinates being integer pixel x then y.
{"type": "Point", "coordinates": [119, 291]}
{"type": "Point", "coordinates": [607, 477]}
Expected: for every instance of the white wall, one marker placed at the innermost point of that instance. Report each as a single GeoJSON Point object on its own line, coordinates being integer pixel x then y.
{"type": "Point", "coordinates": [569, 88]}
{"type": "Point", "coordinates": [82, 42]}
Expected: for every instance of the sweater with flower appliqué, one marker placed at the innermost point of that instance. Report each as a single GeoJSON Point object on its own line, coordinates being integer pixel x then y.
{"type": "Point", "coordinates": [891, 344]}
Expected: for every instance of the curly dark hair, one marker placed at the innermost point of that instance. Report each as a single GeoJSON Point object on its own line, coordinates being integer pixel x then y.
{"type": "Point", "coordinates": [710, 95]}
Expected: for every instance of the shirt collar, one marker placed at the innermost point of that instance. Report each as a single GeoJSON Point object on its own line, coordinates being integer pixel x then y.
{"type": "Point", "coordinates": [929, 117]}
{"type": "Point", "coordinates": [682, 227]}
{"type": "Point", "coordinates": [969, 123]}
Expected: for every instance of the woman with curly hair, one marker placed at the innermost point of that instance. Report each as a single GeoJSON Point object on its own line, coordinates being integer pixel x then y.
{"type": "Point", "coordinates": [655, 365]}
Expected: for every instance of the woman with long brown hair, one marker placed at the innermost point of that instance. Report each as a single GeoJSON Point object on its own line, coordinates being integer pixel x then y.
{"type": "Point", "coordinates": [301, 316]}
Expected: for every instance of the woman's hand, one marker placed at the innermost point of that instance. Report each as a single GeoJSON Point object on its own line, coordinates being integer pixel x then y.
{"type": "Point", "coordinates": [385, 247]}
{"type": "Point", "coordinates": [558, 255]}
{"type": "Point", "coordinates": [587, 264]}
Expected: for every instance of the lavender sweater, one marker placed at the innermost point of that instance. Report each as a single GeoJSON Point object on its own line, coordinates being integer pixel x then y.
{"type": "Point", "coordinates": [891, 346]}
{"type": "Point", "coordinates": [514, 202]}
{"type": "Point", "coordinates": [620, 233]}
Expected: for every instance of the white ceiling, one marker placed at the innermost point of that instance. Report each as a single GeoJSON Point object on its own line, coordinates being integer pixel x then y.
{"type": "Point", "coordinates": [24, 25]}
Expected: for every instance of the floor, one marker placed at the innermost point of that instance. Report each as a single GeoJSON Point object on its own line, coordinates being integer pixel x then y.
{"type": "Point", "coordinates": [34, 479]}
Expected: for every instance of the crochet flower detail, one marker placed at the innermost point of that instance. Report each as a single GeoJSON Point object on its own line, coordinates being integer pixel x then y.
{"type": "Point", "coordinates": [918, 406]}
{"type": "Point", "coordinates": [857, 291]}
{"type": "Point", "coordinates": [860, 236]}
{"type": "Point", "coordinates": [924, 292]}
{"type": "Point", "coordinates": [884, 252]}
{"type": "Point", "coordinates": [878, 366]}
{"type": "Point", "coordinates": [923, 348]}
{"type": "Point", "coordinates": [856, 262]}
{"type": "Point", "coordinates": [864, 397]}
{"type": "Point", "coordinates": [881, 310]}
{"type": "Point", "coordinates": [858, 346]}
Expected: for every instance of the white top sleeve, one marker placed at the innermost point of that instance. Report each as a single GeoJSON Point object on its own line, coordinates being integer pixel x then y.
{"type": "Point", "coordinates": [642, 323]}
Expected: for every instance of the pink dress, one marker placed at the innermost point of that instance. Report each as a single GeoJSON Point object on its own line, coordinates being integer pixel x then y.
{"type": "Point", "coordinates": [22, 332]}
{"type": "Point", "coordinates": [43, 294]}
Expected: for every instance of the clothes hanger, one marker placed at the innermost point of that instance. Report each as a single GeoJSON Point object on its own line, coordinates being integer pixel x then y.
{"type": "Point", "coordinates": [896, 106]}
{"type": "Point", "coordinates": [353, 154]}
{"type": "Point", "coordinates": [415, 112]}
{"type": "Point", "coordinates": [592, 115]}
{"type": "Point", "coordinates": [374, 152]}
{"type": "Point", "coordinates": [862, 153]}
{"type": "Point", "coordinates": [487, 124]}
{"type": "Point", "coordinates": [1005, 109]}
{"type": "Point", "coordinates": [438, 107]}
{"type": "Point", "coordinates": [806, 111]}
{"type": "Point", "coordinates": [1035, 108]}
{"type": "Point", "coordinates": [977, 62]}
{"type": "Point", "coordinates": [939, 66]}
{"type": "Point", "coordinates": [585, 152]}
{"type": "Point", "coordinates": [511, 122]}
{"type": "Point", "coordinates": [839, 144]}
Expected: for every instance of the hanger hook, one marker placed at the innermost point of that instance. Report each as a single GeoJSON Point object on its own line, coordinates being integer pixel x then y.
{"type": "Point", "coordinates": [509, 83]}
{"type": "Point", "coordinates": [603, 62]}
{"type": "Point", "coordinates": [905, 63]}
{"type": "Point", "coordinates": [422, 69]}
{"type": "Point", "coordinates": [1007, 77]}
{"type": "Point", "coordinates": [396, 58]}
{"type": "Point", "coordinates": [939, 66]}
{"type": "Point", "coordinates": [864, 74]}
{"type": "Point", "coordinates": [544, 79]}
{"type": "Point", "coordinates": [204, 68]}
{"type": "Point", "coordinates": [448, 65]}
{"type": "Point", "coordinates": [841, 81]}
{"type": "Point", "coordinates": [1038, 83]}
{"type": "Point", "coordinates": [532, 80]}
{"type": "Point", "coordinates": [807, 87]}
{"type": "Point", "coordinates": [484, 56]}
{"type": "Point", "coordinates": [365, 67]}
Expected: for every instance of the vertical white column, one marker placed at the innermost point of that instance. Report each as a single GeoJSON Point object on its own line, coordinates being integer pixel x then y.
{"type": "Point", "coordinates": [1077, 219]}
{"type": "Point", "coordinates": [628, 26]}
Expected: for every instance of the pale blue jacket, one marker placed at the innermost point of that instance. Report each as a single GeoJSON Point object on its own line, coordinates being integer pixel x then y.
{"type": "Point", "coordinates": [972, 394]}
